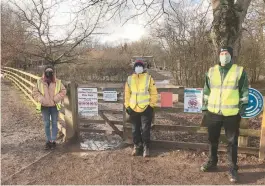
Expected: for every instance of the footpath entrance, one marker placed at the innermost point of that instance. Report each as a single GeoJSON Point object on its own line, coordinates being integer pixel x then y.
{"type": "Point", "coordinates": [23, 160]}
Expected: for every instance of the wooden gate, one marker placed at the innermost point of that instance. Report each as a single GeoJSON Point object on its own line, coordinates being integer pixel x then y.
{"type": "Point", "coordinates": [111, 115]}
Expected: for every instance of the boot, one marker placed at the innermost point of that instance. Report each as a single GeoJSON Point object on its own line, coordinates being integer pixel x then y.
{"type": "Point", "coordinates": [136, 150]}
{"type": "Point", "coordinates": [233, 176]}
{"type": "Point", "coordinates": [53, 145]}
{"type": "Point", "coordinates": [146, 152]}
{"type": "Point", "coordinates": [208, 166]}
{"type": "Point", "coordinates": [47, 145]}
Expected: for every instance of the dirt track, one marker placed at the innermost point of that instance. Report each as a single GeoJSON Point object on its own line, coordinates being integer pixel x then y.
{"type": "Point", "coordinates": [22, 143]}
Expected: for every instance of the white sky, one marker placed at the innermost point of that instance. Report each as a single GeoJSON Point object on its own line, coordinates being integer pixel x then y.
{"type": "Point", "coordinates": [128, 32]}
{"type": "Point", "coordinates": [133, 30]}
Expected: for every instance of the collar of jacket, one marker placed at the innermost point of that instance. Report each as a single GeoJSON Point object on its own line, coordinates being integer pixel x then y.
{"type": "Point", "coordinates": [142, 74]}
{"type": "Point", "coordinates": [45, 82]}
{"type": "Point", "coordinates": [226, 67]}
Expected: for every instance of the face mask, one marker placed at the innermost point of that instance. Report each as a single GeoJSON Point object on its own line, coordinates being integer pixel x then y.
{"type": "Point", "coordinates": [139, 70]}
{"type": "Point", "coordinates": [48, 74]}
{"type": "Point", "coordinates": [225, 59]}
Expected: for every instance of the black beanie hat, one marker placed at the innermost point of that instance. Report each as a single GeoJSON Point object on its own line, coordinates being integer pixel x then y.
{"type": "Point", "coordinates": [228, 49]}
{"type": "Point", "coordinates": [49, 66]}
{"type": "Point", "coordinates": [138, 63]}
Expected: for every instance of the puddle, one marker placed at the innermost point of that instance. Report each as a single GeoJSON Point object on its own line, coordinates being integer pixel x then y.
{"type": "Point", "coordinates": [100, 142]}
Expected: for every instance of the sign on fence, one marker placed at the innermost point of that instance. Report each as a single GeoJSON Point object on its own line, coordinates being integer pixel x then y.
{"type": "Point", "coordinates": [255, 104]}
{"type": "Point", "coordinates": [87, 102]}
{"type": "Point", "coordinates": [110, 95]}
{"type": "Point", "coordinates": [193, 100]}
{"type": "Point", "coordinates": [166, 99]}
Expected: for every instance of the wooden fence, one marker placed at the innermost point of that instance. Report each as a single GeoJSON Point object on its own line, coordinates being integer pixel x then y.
{"type": "Point", "coordinates": [74, 125]}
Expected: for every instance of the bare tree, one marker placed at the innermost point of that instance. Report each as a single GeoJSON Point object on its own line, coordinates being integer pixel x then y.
{"type": "Point", "coordinates": [184, 36]}
{"type": "Point", "coordinates": [56, 49]}
{"type": "Point", "coordinates": [229, 16]}
{"type": "Point", "coordinates": [252, 55]}
{"type": "Point", "coordinates": [13, 36]}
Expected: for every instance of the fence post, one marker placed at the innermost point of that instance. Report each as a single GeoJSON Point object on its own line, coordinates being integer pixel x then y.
{"type": "Point", "coordinates": [243, 140]}
{"type": "Point", "coordinates": [127, 131]}
{"type": "Point", "coordinates": [262, 138]}
{"type": "Point", "coordinates": [71, 112]}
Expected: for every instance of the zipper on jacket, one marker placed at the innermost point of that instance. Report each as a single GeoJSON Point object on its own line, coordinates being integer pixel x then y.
{"type": "Point", "coordinates": [221, 90]}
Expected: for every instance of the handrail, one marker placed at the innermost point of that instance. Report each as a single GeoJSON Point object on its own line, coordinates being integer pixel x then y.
{"type": "Point", "coordinates": [23, 79]}
{"type": "Point", "coordinates": [26, 73]}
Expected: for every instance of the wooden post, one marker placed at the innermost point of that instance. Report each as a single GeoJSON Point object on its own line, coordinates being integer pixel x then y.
{"type": "Point", "coordinates": [124, 117]}
{"type": "Point", "coordinates": [68, 118]}
{"type": "Point", "coordinates": [71, 113]}
{"type": "Point", "coordinates": [127, 132]}
{"type": "Point", "coordinates": [262, 138]}
{"type": "Point", "coordinates": [243, 140]}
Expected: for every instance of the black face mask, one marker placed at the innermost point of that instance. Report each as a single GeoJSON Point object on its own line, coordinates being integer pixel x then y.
{"type": "Point", "coordinates": [49, 74]}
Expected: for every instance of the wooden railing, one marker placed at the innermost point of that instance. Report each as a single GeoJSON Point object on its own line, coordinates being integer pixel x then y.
{"type": "Point", "coordinates": [71, 127]}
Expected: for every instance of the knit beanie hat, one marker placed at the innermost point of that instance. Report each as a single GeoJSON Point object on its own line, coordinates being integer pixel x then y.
{"type": "Point", "coordinates": [49, 66]}
{"type": "Point", "coordinates": [138, 62]}
{"type": "Point", "coordinates": [228, 49]}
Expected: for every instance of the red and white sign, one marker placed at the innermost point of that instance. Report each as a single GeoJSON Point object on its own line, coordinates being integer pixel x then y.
{"type": "Point", "coordinates": [87, 102]}
{"type": "Point", "coordinates": [193, 100]}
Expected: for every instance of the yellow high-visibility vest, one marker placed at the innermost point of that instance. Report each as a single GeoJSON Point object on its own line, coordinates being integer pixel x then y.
{"type": "Point", "coordinates": [140, 95]}
{"type": "Point", "coordinates": [224, 97]}
{"type": "Point", "coordinates": [40, 86]}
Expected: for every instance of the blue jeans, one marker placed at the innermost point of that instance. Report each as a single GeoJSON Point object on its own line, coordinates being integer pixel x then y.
{"type": "Point", "coordinates": [48, 112]}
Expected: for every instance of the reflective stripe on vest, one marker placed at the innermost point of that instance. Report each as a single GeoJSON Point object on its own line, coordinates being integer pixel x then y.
{"type": "Point", "coordinates": [140, 95]}
{"type": "Point", "coordinates": [224, 97]}
{"type": "Point", "coordinates": [40, 87]}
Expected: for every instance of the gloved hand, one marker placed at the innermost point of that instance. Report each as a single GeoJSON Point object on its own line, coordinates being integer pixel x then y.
{"type": "Point", "coordinates": [129, 110]}
{"type": "Point", "coordinates": [242, 109]}
{"type": "Point", "coordinates": [204, 108]}
{"type": "Point", "coordinates": [150, 108]}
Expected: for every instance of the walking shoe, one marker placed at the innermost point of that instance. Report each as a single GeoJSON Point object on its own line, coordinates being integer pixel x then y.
{"type": "Point", "coordinates": [53, 145]}
{"type": "Point", "coordinates": [146, 152]}
{"type": "Point", "coordinates": [233, 176]}
{"type": "Point", "coordinates": [47, 145]}
{"type": "Point", "coordinates": [208, 166]}
{"type": "Point", "coordinates": [136, 150]}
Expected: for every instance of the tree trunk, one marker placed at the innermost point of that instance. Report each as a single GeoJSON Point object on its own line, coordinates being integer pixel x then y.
{"type": "Point", "coordinates": [227, 23]}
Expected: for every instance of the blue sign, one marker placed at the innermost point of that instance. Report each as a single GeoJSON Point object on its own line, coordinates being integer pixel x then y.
{"type": "Point", "coordinates": [255, 104]}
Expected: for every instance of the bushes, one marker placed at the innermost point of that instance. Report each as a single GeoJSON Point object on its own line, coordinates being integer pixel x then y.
{"type": "Point", "coordinates": [103, 70]}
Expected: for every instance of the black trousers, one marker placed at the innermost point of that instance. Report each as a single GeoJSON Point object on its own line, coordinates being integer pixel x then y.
{"type": "Point", "coordinates": [141, 126]}
{"type": "Point", "coordinates": [231, 126]}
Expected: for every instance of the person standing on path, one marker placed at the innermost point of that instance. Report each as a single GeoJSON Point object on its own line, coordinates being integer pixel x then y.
{"type": "Point", "coordinates": [226, 98]}
{"type": "Point", "coordinates": [140, 100]}
{"type": "Point", "coordinates": [49, 93]}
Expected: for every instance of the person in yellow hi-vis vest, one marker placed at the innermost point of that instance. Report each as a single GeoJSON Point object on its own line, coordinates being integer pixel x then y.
{"type": "Point", "coordinates": [49, 93]}
{"type": "Point", "coordinates": [225, 98]}
{"type": "Point", "coordinates": [140, 100]}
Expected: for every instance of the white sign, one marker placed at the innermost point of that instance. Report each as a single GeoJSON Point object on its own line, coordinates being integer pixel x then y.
{"type": "Point", "coordinates": [87, 102]}
{"type": "Point", "coordinates": [110, 96]}
{"type": "Point", "coordinates": [193, 100]}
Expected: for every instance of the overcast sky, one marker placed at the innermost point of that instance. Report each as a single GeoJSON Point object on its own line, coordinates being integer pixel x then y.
{"type": "Point", "coordinates": [133, 30]}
